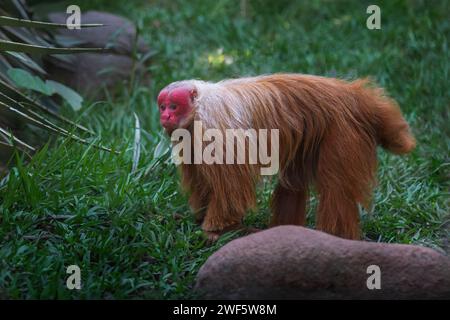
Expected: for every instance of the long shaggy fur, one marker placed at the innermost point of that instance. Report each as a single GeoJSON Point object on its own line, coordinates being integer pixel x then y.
{"type": "Point", "coordinates": [328, 129]}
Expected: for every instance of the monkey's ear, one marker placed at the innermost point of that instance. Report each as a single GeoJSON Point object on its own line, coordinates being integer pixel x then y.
{"type": "Point", "coordinates": [193, 94]}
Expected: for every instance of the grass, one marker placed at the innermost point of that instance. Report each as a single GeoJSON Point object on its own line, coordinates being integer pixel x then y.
{"type": "Point", "coordinates": [132, 234]}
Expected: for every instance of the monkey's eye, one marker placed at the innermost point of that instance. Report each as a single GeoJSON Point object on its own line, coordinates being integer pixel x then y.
{"type": "Point", "coordinates": [162, 107]}
{"type": "Point", "coordinates": [173, 106]}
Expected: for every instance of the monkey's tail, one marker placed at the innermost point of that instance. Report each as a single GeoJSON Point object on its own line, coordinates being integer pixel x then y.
{"type": "Point", "coordinates": [393, 132]}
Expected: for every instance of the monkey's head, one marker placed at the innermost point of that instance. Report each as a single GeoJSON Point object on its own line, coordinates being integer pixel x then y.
{"type": "Point", "coordinates": [176, 106]}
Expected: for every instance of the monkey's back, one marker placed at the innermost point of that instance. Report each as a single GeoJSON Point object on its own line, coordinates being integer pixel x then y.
{"type": "Point", "coordinates": [305, 109]}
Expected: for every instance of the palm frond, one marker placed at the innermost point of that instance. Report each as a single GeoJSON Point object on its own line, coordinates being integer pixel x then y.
{"type": "Point", "coordinates": [15, 22]}
{"type": "Point", "coordinates": [34, 49]}
{"type": "Point", "coordinates": [23, 44]}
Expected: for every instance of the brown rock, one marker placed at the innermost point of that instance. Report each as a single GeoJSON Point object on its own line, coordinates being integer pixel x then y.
{"type": "Point", "coordinates": [290, 262]}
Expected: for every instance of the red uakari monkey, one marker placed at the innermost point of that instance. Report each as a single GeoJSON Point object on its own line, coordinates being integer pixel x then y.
{"type": "Point", "coordinates": [328, 133]}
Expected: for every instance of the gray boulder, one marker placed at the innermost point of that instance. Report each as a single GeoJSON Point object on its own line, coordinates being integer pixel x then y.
{"type": "Point", "coordinates": [290, 262]}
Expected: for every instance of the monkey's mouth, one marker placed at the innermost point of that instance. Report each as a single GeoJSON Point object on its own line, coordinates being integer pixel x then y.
{"type": "Point", "coordinates": [169, 128]}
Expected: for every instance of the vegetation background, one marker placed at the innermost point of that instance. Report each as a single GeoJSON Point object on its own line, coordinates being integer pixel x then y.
{"type": "Point", "coordinates": [131, 232]}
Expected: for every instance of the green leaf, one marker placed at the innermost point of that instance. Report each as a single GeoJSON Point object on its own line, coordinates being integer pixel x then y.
{"type": "Point", "coordinates": [161, 149]}
{"type": "Point", "coordinates": [70, 95]}
{"type": "Point", "coordinates": [24, 79]}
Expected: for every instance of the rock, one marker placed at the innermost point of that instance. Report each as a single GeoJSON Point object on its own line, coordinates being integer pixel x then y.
{"type": "Point", "coordinates": [92, 72]}
{"type": "Point", "coordinates": [117, 32]}
{"type": "Point", "coordinates": [89, 73]}
{"type": "Point", "coordinates": [290, 262]}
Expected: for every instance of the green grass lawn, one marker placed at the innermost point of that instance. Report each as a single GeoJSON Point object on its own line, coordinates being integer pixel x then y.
{"type": "Point", "coordinates": [132, 234]}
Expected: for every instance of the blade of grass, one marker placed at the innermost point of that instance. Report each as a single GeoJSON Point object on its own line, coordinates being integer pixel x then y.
{"type": "Point", "coordinates": [137, 144]}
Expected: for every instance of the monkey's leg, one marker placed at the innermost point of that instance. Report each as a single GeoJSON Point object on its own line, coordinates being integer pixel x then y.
{"type": "Point", "coordinates": [225, 213]}
{"type": "Point", "coordinates": [345, 177]}
{"type": "Point", "coordinates": [232, 193]}
{"type": "Point", "coordinates": [198, 203]}
{"type": "Point", "coordinates": [193, 181]}
{"type": "Point", "coordinates": [289, 206]}
{"type": "Point", "coordinates": [338, 214]}
{"type": "Point", "coordinates": [221, 218]}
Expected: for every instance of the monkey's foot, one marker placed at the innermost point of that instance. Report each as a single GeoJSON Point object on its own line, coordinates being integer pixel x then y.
{"type": "Point", "coordinates": [250, 230]}
{"type": "Point", "coordinates": [213, 236]}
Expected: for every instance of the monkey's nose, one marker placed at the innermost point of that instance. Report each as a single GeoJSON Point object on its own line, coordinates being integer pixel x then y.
{"type": "Point", "coordinates": [165, 121]}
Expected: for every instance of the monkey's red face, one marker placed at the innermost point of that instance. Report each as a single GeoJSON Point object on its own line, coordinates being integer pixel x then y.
{"type": "Point", "coordinates": [175, 106]}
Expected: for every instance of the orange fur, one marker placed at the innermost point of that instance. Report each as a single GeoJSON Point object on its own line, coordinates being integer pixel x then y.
{"type": "Point", "coordinates": [328, 130]}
